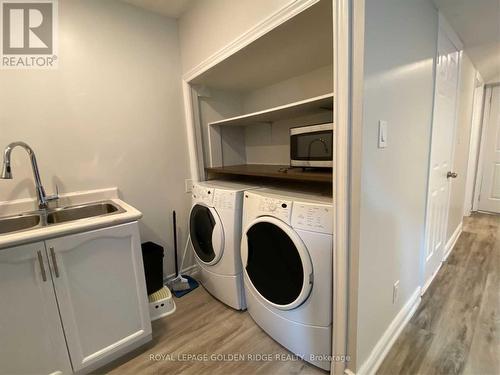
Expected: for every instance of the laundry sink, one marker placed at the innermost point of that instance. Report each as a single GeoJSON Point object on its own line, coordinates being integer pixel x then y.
{"type": "Point", "coordinates": [63, 215]}
{"type": "Point", "coordinates": [18, 223]}
{"type": "Point", "coordinates": [47, 218]}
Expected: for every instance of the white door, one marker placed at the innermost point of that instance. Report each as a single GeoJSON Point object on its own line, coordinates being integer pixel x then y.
{"type": "Point", "coordinates": [31, 335]}
{"type": "Point", "coordinates": [100, 286]}
{"type": "Point", "coordinates": [276, 263]}
{"type": "Point", "coordinates": [207, 234]}
{"type": "Point", "coordinates": [443, 130]}
{"type": "Point", "coordinates": [489, 198]}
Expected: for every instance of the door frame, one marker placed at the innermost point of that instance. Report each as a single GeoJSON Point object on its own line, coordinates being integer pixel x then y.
{"type": "Point", "coordinates": [475, 144]}
{"type": "Point", "coordinates": [443, 26]}
{"type": "Point", "coordinates": [488, 93]}
{"type": "Point", "coordinates": [343, 116]}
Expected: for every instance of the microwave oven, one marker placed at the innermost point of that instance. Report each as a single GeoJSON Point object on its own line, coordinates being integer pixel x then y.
{"type": "Point", "coordinates": [312, 146]}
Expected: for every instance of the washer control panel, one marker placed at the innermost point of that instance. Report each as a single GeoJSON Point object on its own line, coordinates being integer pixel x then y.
{"type": "Point", "coordinates": [279, 208]}
{"type": "Point", "coordinates": [225, 199]}
{"type": "Point", "coordinates": [203, 194]}
{"type": "Point", "coordinates": [312, 216]}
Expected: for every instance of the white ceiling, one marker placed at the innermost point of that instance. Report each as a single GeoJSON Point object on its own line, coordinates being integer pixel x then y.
{"type": "Point", "coordinates": [169, 8]}
{"type": "Point", "coordinates": [477, 23]}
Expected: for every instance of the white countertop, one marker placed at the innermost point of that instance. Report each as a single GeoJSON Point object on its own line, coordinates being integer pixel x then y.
{"type": "Point", "coordinates": [71, 227]}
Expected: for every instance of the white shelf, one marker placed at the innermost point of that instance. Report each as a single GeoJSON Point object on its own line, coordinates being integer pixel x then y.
{"type": "Point", "coordinates": [303, 107]}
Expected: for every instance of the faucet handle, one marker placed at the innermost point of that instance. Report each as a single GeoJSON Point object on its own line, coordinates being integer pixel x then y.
{"type": "Point", "coordinates": [53, 197]}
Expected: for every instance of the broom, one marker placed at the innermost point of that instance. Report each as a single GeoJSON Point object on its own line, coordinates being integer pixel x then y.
{"type": "Point", "coordinates": [181, 284]}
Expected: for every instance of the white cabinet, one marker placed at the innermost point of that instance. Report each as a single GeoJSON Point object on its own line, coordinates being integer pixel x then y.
{"type": "Point", "coordinates": [99, 283]}
{"type": "Point", "coordinates": [77, 300]}
{"type": "Point", "coordinates": [31, 335]}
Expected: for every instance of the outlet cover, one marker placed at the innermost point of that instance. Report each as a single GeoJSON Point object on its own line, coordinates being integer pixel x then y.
{"type": "Point", "coordinates": [188, 185]}
{"type": "Point", "coordinates": [382, 134]}
{"type": "Point", "coordinates": [395, 292]}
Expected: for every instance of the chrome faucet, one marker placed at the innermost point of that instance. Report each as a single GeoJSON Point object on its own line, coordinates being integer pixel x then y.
{"type": "Point", "coordinates": [43, 199]}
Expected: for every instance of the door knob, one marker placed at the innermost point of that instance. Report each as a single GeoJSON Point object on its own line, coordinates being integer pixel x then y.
{"type": "Point", "coordinates": [451, 175]}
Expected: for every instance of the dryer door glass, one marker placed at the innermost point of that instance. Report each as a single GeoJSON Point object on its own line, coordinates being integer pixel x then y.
{"type": "Point", "coordinates": [274, 265]}
{"type": "Point", "coordinates": [201, 226]}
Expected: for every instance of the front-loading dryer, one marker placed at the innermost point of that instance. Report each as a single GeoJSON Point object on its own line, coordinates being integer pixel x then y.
{"type": "Point", "coordinates": [215, 231]}
{"type": "Point", "coordinates": [286, 251]}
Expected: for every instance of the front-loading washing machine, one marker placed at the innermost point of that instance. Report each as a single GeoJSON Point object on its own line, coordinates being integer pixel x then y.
{"type": "Point", "coordinates": [286, 251]}
{"type": "Point", "coordinates": [215, 231]}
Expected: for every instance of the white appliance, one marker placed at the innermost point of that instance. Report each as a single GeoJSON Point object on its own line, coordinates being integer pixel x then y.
{"type": "Point", "coordinates": [312, 146]}
{"type": "Point", "coordinates": [215, 230]}
{"type": "Point", "coordinates": [286, 251]}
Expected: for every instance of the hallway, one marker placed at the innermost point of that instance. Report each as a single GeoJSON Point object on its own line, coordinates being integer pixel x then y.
{"type": "Point", "coordinates": [455, 329]}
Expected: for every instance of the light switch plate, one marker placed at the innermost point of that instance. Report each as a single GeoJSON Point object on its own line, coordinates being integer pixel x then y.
{"type": "Point", "coordinates": [382, 134]}
{"type": "Point", "coordinates": [188, 185]}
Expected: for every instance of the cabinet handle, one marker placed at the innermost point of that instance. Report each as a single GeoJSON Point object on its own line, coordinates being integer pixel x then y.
{"type": "Point", "coordinates": [42, 268]}
{"type": "Point", "coordinates": [54, 261]}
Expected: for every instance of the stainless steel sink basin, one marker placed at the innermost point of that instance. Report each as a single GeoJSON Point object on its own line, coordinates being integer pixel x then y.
{"type": "Point", "coordinates": [64, 215]}
{"type": "Point", "coordinates": [56, 216]}
{"type": "Point", "coordinates": [18, 223]}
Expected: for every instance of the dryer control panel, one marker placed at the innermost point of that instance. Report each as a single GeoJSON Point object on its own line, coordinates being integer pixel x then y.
{"type": "Point", "coordinates": [279, 208]}
{"type": "Point", "coordinates": [203, 194]}
{"type": "Point", "coordinates": [313, 217]}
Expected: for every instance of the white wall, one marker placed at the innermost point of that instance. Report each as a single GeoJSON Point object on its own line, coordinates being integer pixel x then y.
{"type": "Point", "coordinates": [209, 25]}
{"type": "Point", "coordinates": [400, 47]}
{"type": "Point", "coordinates": [218, 105]}
{"type": "Point", "coordinates": [462, 142]}
{"type": "Point", "coordinates": [111, 115]}
{"type": "Point", "coordinates": [310, 84]}
{"type": "Point", "coordinates": [494, 80]}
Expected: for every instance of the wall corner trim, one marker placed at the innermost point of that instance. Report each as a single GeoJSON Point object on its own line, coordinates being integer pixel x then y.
{"type": "Point", "coordinates": [380, 350]}
{"type": "Point", "coordinates": [453, 240]}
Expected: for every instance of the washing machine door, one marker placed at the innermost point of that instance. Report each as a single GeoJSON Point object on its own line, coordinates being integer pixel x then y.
{"type": "Point", "coordinates": [276, 262]}
{"type": "Point", "coordinates": [207, 233]}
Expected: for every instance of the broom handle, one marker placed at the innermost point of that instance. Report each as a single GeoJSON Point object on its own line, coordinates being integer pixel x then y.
{"type": "Point", "coordinates": [175, 243]}
{"type": "Point", "coordinates": [185, 251]}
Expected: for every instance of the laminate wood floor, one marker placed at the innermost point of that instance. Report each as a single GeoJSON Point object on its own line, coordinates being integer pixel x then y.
{"type": "Point", "coordinates": [203, 326]}
{"type": "Point", "coordinates": [455, 329]}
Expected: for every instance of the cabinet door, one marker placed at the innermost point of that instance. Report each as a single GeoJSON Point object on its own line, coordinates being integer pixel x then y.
{"type": "Point", "coordinates": [100, 286]}
{"type": "Point", "coordinates": [31, 334]}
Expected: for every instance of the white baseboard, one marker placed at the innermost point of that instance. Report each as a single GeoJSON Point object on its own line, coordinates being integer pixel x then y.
{"type": "Point", "coordinates": [447, 251]}
{"type": "Point", "coordinates": [374, 360]}
{"type": "Point", "coordinates": [429, 282]}
{"type": "Point", "coordinates": [186, 271]}
{"type": "Point", "coordinates": [452, 241]}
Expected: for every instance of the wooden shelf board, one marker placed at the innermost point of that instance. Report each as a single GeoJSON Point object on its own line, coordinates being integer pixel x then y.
{"type": "Point", "coordinates": [303, 107]}
{"type": "Point", "coordinates": [274, 171]}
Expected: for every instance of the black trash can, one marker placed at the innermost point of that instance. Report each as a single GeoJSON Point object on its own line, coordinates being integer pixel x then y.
{"type": "Point", "coordinates": [152, 255]}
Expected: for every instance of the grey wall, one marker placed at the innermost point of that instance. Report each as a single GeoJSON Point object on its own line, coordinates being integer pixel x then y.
{"type": "Point", "coordinates": [209, 25]}
{"type": "Point", "coordinates": [400, 46]}
{"type": "Point", "coordinates": [111, 115]}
